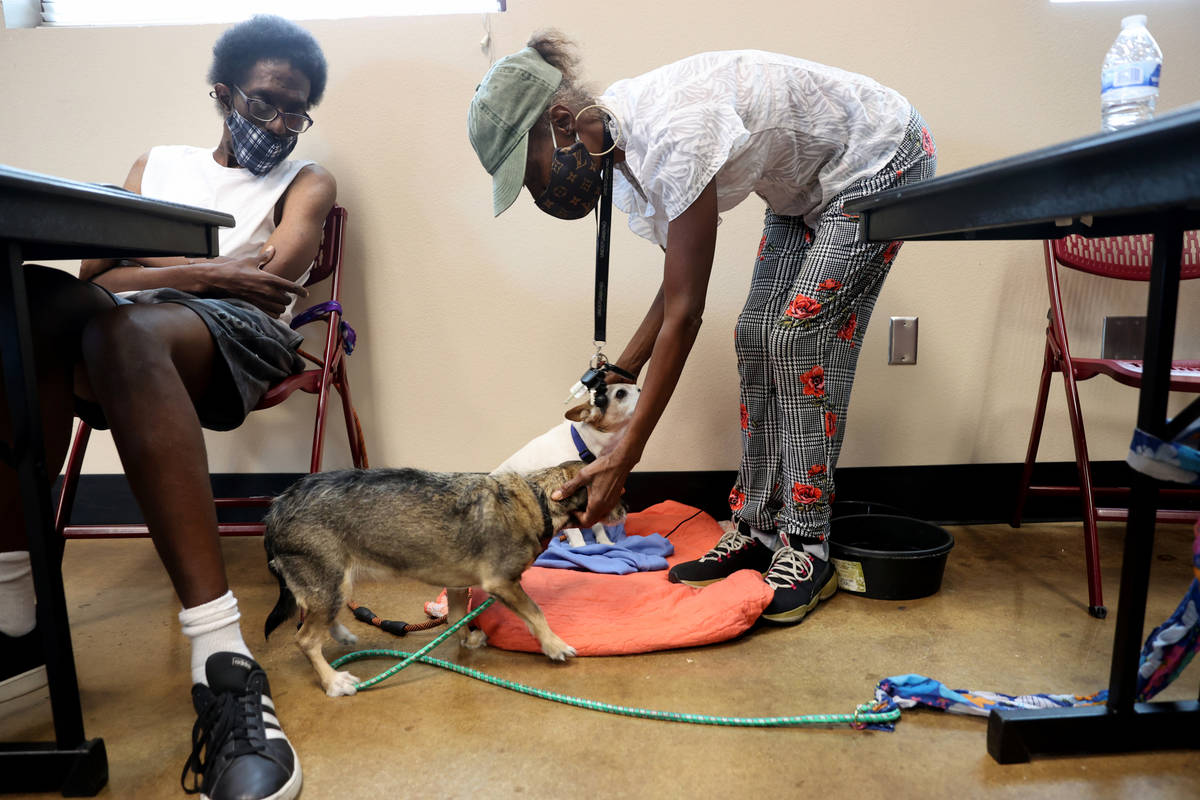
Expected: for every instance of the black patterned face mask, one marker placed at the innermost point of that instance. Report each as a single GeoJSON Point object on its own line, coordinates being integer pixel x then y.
{"type": "Point", "coordinates": [255, 148]}
{"type": "Point", "coordinates": [575, 182]}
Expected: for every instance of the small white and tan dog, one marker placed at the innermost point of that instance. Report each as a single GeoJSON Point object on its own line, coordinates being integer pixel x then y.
{"type": "Point", "coordinates": [583, 435]}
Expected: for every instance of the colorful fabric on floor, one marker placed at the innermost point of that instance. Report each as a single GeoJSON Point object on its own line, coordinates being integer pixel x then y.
{"type": "Point", "coordinates": [1168, 650]}
{"type": "Point", "coordinates": [626, 554]}
{"type": "Point", "coordinates": [1177, 460]}
{"type": "Point", "coordinates": [1170, 647]}
{"type": "Point", "coordinates": [912, 691]}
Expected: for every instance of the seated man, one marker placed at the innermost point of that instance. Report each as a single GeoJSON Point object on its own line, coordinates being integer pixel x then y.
{"type": "Point", "coordinates": [156, 349]}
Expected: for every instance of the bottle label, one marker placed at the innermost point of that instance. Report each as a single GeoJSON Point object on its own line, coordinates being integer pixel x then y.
{"type": "Point", "coordinates": [1130, 76]}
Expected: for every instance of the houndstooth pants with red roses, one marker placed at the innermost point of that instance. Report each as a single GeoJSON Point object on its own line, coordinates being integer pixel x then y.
{"type": "Point", "coordinates": [797, 341]}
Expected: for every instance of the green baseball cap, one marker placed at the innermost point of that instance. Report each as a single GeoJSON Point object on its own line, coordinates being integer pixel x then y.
{"type": "Point", "coordinates": [514, 93]}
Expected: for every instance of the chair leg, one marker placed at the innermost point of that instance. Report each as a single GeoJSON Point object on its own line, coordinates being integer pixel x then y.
{"type": "Point", "coordinates": [1035, 436]}
{"type": "Point", "coordinates": [66, 497]}
{"type": "Point", "coordinates": [358, 445]}
{"type": "Point", "coordinates": [318, 445]}
{"type": "Point", "coordinates": [1091, 538]}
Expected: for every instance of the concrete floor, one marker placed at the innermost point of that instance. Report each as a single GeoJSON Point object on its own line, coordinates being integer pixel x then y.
{"type": "Point", "coordinates": [1010, 617]}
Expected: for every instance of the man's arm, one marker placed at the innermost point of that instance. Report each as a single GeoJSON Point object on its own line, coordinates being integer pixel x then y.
{"type": "Point", "coordinates": [128, 274]}
{"type": "Point", "coordinates": [297, 235]}
{"type": "Point", "coordinates": [265, 279]}
{"type": "Point", "coordinates": [90, 268]}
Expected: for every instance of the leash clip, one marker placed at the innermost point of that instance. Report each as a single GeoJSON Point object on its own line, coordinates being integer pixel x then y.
{"type": "Point", "coordinates": [592, 378]}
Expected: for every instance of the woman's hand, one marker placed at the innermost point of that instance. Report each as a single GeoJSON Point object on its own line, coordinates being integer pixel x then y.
{"type": "Point", "coordinates": [605, 482]}
{"type": "Point", "coordinates": [245, 279]}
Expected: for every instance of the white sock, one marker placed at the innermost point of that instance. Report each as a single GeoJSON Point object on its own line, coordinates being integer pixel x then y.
{"type": "Point", "coordinates": [769, 538]}
{"type": "Point", "coordinates": [213, 628]}
{"type": "Point", "coordinates": [17, 600]}
{"type": "Point", "coordinates": [817, 549]}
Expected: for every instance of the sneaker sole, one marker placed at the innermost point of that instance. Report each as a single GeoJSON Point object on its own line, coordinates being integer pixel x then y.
{"type": "Point", "coordinates": [702, 584]}
{"type": "Point", "coordinates": [697, 584]}
{"type": "Point", "coordinates": [797, 614]}
{"type": "Point", "coordinates": [23, 684]}
{"type": "Point", "coordinates": [22, 692]}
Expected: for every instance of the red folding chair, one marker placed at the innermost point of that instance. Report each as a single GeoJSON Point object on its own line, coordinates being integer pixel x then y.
{"type": "Point", "coordinates": [329, 372]}
{"type": "Point", "coordinates": [1123, 258]}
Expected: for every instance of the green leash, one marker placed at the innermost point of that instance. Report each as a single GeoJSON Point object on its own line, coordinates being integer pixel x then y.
{"type": "Point", "coordinates": [863, 715]}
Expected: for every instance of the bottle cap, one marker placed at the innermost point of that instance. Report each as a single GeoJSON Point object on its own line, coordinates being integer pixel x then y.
{"type": "Point", "coordinates": [1134, 19]}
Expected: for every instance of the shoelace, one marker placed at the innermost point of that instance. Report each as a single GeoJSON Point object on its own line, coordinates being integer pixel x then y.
{"type": "Point", "coordinates": [789, 568]}
{"type": "Point", "coordinates": [227, 715]}
{"type": "Point", "coordinates": [728, 543]}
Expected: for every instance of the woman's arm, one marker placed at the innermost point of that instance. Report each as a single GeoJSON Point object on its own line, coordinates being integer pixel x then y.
{"type": "Point", "coordinates": [637, 352]}
{"type": "Point", "coordinates": [691, 242]}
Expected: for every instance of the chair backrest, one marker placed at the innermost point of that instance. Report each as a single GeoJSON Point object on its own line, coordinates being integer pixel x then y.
{"type": "Point", "coordinates": [1122, 257]}
{"type": "Point", "coordinates": [329, 255]}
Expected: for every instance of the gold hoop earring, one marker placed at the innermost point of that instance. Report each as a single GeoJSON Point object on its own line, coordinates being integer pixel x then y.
{"type": "Point", "coordinates": [612, 115]}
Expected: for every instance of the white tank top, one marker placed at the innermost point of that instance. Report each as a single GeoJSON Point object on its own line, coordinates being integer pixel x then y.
{"type": "Point", "coordinates": [189, 175]}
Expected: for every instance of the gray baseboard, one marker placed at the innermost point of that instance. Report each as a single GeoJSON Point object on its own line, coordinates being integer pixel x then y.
{"type": "Point", "coordinates": [946, 494]}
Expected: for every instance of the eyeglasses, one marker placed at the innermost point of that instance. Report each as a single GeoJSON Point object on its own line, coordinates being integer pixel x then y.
{"type": "Point", "coordinates": [264, 112]}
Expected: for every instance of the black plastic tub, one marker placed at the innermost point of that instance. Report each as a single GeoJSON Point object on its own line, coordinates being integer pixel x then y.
{"type": "Point", "coordinates": [887, 556]}
{"type": "Point", "coordinates": [850, 508]}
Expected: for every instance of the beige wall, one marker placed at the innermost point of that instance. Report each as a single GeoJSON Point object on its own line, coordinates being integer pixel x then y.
{"type": "Point", "coordinates": [472, 329]}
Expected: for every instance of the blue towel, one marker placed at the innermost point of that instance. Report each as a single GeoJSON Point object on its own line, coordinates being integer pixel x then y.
{"type": "Point", "coordinates": [625, 555]}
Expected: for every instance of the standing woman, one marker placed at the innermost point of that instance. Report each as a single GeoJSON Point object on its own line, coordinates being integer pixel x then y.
{"type": "Point", "coordinates": [692, 139]}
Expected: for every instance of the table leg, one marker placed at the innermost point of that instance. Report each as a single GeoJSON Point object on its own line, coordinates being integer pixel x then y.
{"type": "Point", "coordinates": [1015, 735]}
{"type": "Point", "coordinates": [75, 766]}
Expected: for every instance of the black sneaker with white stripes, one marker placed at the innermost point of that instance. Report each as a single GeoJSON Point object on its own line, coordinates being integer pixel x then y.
{"type": "Point", "coordinates": [733, 551]}
{"type": "Point", "coordinates": [22, 672]}
{"type": "Point", "coordinates": [800, 582]}
{"type": "Point", "coordinates": [239, 752]}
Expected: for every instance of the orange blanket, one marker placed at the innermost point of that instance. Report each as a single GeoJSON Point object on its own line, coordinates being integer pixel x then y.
{"type": "Point", "coordinates": [602, 615]}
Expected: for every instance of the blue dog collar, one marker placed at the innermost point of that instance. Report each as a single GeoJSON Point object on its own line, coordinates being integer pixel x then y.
{"type": "Point", "coordinates": [585, 455]}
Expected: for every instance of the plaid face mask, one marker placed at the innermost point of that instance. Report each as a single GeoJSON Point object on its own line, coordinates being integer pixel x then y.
{"type": "Point", "coordinates": [575, 183]}
{"type": "Point", "coordinates": [255, 148]}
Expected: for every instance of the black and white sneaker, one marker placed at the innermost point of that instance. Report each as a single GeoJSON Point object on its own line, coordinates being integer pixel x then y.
{"type": "Point", "coordinates": [733, 551]}
{"type": "Point", "coordinates": [239, 752]}
{"type": "Point", "coordinates": [800, 582]}
{"type": "Point", "coordinates": [22, 673]}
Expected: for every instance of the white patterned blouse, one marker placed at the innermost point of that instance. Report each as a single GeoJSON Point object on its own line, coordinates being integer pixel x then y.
{"type": "Point", "coordinates": [792, 131]}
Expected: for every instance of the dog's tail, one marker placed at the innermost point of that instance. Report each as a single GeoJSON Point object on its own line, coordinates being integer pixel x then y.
{"type": "Point", "coordinates": [285, 607]}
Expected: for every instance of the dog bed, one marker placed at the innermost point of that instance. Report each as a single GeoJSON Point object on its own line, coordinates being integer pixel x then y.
{"type": "Point", "coordinates": [604, 615]}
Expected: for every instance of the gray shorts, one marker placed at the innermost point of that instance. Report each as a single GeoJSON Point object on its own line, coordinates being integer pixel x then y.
{"type": "Point", "coordinates": [254, 351]}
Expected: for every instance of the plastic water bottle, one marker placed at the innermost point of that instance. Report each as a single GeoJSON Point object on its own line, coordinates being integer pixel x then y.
{"type": "Point", "coordinates": [1129, 78]}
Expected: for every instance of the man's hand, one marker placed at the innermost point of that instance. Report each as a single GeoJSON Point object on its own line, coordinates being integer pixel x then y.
{"type": "Point", "coordinates": [245, 279]}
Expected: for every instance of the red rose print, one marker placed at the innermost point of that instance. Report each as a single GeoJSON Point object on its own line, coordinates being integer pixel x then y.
{"type": "Point", "coordinates": [830, 283]}
{"type": "Point", "coordinates": [889, 253]}
{"type": "Point", "coordinates": [802, 307]}
{"type": "Point", "coordinates": [805, 494]}
{"type": "Point", "coordinates": [814, 381]}
{"type": "Point", "coordinates": [816, 469]}
{"type": "Point", "coordinates": [830, 424]}
{"type": "Point", "coordinates": [761, 245]}
{"type": "Point", "coordinates": [807, 236]}
{"type": "Point", "coordinates": [847, 331]}
{"type": "Point", "coordinates": [745, 418]}
{"type": "Point", "coordinates": [926, 141]}
{"type": "Point", "coordinates": [737, 499]}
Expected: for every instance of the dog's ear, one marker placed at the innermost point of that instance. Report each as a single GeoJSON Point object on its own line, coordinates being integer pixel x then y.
{"type": "Point", "coordinates": [584, 412]}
